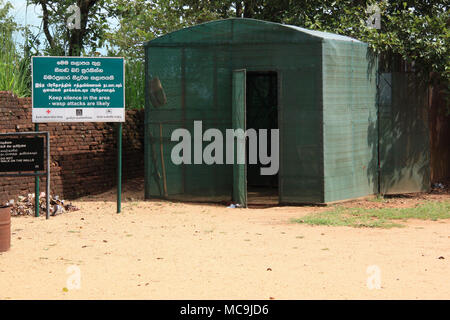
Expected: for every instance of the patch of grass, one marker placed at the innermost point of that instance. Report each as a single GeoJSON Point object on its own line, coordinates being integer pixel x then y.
{"type": "Point", "coordinates": [377, 218]}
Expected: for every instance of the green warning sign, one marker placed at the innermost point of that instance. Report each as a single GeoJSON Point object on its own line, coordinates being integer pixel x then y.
{"type": "Point", "coordinates": [78, 89]}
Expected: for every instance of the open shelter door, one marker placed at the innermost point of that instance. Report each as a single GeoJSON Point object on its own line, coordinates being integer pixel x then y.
{"type": "Point", "coordinates": [239, 122]}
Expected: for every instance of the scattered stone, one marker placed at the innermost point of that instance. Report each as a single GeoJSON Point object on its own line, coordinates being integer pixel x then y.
{"type": "Point", "coordinates": [24, 206]}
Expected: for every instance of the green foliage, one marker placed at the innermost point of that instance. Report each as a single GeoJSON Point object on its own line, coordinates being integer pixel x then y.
{"type": "Point", "coordinates": [14, 69]}
{"type": "Point", "coordinates": [377, 218]}
{"type": "Point", "coordinates": [419, 35]}
{"type": "Point", "coordinates": [413, 31]}
{"type": "Point", "coordinates": [134, 84]}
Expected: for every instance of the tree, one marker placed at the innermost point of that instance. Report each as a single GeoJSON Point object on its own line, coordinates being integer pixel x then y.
{"type": "Point", "coordinates": [62, 40]}
{"type": "Point", "coordinates": [415, 32]}
{"type": "Point", "coordinates": [143, 20]}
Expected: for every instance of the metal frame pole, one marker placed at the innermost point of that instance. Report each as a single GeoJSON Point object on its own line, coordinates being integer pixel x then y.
{"type": "Point", "coordinates": [36, 184]}
{"type": "Point", "coordinates": [119, 167]}
{"type": "Point", "coordinates": [47, 216]}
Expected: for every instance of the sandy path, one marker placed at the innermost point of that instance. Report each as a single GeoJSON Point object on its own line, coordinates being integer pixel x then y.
{"type": "Point", "coordinates": [158, 250]}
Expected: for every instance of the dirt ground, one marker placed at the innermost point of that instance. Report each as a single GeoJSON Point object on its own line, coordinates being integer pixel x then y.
{"type": "Point", "coordinates": [163, 250]}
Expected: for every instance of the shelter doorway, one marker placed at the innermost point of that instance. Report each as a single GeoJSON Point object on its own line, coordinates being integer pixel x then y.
{"type": "Point", "coordinates": [261, 113]}
{"type": "Point", "coordinates": [254, 106]}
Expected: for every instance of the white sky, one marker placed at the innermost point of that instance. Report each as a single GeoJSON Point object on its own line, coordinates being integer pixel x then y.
{"type": "Point", "coordinates": [23, 16]}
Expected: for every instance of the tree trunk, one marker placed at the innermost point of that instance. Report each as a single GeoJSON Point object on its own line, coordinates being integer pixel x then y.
{"type": "Point", "coordinates": [45, 17]}
{"type": "Point", "coordinates": [249, 8]}
{"type": "Point", "coordinates": [77, 35]}
{"type": "Point", "coordinates": [238, 9]}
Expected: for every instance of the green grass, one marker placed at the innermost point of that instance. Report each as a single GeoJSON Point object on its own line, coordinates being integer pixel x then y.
{"type": "Point", "coordinates": [14, 69]}
{"type": "Point", "coordinates": [377, 218]}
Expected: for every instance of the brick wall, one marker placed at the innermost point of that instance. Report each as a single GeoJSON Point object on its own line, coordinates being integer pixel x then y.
{"type": "Point", "coordinates": [83, 155]}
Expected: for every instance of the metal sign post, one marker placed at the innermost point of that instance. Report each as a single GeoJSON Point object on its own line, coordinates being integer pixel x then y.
{"type": "Point", "coordinates": [12, 160]}
{"type": "Point", "coordinates": [36, 185]}
{"type": "Point", "coordinates": [119, 167]}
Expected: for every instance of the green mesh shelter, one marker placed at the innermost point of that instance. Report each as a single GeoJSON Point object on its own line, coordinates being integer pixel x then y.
{"type": "Point", "coordinates": [318, 89]}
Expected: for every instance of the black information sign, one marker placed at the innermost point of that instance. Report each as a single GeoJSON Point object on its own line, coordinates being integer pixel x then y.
{"type": "Point", "coordinates": [21, 154]}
